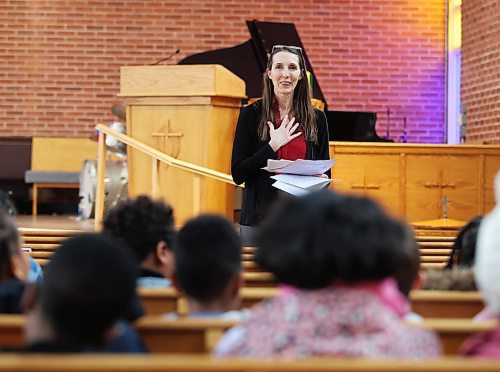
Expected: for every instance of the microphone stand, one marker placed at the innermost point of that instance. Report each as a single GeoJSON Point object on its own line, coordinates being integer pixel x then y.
{"type": "Point", "coordinates": [404, 137]}
{"type": "Point", "coordinates": [166, 58]}
{"type": "Point", "coordinates": [388, 124]}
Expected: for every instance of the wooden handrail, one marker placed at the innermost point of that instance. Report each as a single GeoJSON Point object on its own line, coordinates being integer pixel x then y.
{"type": "Point", "coordinates": [148, 150]}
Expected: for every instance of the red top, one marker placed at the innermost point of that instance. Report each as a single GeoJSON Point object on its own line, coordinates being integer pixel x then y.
{"type": "Point", "coordinates": [293, 150]}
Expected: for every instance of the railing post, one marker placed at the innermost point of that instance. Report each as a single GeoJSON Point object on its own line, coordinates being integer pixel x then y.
{"type": "Point", "coordinates": [155, 182]}
{"type": "Point", "coordinates": [101, 173]}
{"type": "Point", "coordinates": [196, 194]}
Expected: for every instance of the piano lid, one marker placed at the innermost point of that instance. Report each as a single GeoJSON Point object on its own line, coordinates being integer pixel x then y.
{"type": "Point", "coordinates": [248, 60]}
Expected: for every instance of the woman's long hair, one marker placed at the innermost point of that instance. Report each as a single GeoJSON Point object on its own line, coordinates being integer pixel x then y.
{"type": "Point", "coordinates": [302, 107]}
{"type": "Point", "coordinates": [9, 244]}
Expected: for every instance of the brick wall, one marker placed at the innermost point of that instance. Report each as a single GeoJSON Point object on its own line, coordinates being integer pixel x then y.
{"type": "Point", "coordinates": [59, 60]}
{"type": "Point", "coordinates": [480, 90]}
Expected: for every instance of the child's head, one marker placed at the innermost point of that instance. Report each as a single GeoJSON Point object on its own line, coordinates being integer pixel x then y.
{"type": "Point", "coordinates": [208, 261]}
{"type": "Point", "coordinates": [147, 227]}
{"type": "Point", "coordinates": [310, 242]}
{"type": "Point", "coordinates": [87, 285]}
{"type": "Point", "coordinates": [13, 263]}
{"type": "Point", "coordinates": [464, 247]}
{"type": "Point", "coordinates": [407, 275]}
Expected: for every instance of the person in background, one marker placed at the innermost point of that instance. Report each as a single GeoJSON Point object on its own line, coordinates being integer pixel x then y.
{"type": "Point", "coordinates": [147, 227]}
{"type": "Point", "coordinates": [35, 272]}
{"type": "Point", "coordinates": [77, 307]}
{"type": "Point", "coordinates": [487, 275]}
{"type": "Point", "coordinates": [335, 257]}
{"type": "Point", "coordinates": [459, 271]}
{"type": "Point", "coordinates": [464, 247]}
{"type": "Point", "coordinates": [14, 266]}
{"type": "Point", "coordinates": [282, 125]}
{"type": "Point", "coordinates": [208, 267]}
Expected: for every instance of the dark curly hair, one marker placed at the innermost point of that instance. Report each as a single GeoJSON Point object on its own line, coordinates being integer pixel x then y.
{"type": "Point", "coordinates": [309, 242]}
{"type": "Point", "coordinates": [88, 282]}
{"type": "Point", "coordinates": [463, 252]}
{"type": "Point", "coordinates": [207, 257]}
{"type": "Point", "coordinates": [141, 223]}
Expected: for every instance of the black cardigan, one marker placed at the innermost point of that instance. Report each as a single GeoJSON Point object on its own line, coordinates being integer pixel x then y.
{"type": "Point", "coordinates": [250, 154]}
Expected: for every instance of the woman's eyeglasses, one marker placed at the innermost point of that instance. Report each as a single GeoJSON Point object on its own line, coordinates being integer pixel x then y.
{"type": "Point", "coordinates": [289, 48]}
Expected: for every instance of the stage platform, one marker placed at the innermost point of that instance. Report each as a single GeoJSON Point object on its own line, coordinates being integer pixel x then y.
{"type": "Point", "coordinates": [62, 223]}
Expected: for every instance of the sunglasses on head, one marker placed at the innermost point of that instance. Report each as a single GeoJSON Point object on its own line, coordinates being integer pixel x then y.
{"type": "Point", "coordinates": [289, 48]}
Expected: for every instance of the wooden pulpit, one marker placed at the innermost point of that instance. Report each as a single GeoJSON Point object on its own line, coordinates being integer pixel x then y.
{"type": "Point", "coordinates": [188, 112]}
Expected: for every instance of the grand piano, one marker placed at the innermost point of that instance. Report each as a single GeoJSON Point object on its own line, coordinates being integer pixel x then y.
{"type": "Point", "coordinates": [248, 61]}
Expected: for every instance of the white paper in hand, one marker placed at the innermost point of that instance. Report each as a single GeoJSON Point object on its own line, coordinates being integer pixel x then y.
{"type": "Point", "coordinates": [299, 185]}
{"type": "Point", "coordinates": [294, 190]}
{"type": "Point", "coordinates": [300, 166]}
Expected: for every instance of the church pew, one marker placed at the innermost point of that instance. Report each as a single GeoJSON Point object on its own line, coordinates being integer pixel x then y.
{"type": "Point", "coordinates": [186, 335]}
{"type": "Point", "coordinates": [11, 330]}
{"type": "Point", "coordinates": [453, 332]}
{"type": "Point", "coordinates": [259, 279]}
{"type": "Point", "coordinates": [158, 301]}
{"type": "Point", "coordinates": [446, 304]}
{"type": "Point", "coordinates": [183, 335]}
{"type": "Point", "coordinates": [204, 363]}
{"type": "Point", "coordinates": [427, 303]}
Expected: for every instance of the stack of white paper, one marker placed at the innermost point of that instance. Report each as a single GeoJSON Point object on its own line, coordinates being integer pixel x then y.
{"type": "Point", "coordinates": [299, 177]}
{"type": "Point", "coordinates": [300, 167]}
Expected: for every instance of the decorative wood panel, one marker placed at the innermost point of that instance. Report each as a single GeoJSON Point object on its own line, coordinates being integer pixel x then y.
{"type": "Point", "coordinates": [419, 182]}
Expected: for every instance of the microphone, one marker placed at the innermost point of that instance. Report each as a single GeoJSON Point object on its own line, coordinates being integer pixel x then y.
{"type": "Point", "coordinates": [166, 58]}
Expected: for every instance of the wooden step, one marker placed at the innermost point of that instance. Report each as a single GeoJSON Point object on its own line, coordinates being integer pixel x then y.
{"type": "Point", "coordinates": [440, 259]}
{"type": "Point", "coordinates": [435, 251]}
{"type": "Point", "coordinates": [43, 239]}
{"type": "Point", "coordinates": [432, 265]}
{"type": "Point", "coordinates": [426, 238]}
{"type": "Point", "coordinates": [435, 244]}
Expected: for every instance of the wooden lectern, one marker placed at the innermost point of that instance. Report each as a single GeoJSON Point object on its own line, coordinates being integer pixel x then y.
{"type": "Point", "coordinates": [188, 112]}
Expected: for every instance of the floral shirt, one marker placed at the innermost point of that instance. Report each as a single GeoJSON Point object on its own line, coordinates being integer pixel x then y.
{"type": "Point", "coordinates": [335, 321]}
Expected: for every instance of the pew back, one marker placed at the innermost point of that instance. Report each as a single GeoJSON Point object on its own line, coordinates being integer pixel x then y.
{"type": "Point", "coordinates": [198, 363]}
{"type": "Point", "coordinates": [186, 335]}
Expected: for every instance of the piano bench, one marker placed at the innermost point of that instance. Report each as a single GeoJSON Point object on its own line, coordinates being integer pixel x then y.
{"type": "Point", "coordinates": [50, 180]}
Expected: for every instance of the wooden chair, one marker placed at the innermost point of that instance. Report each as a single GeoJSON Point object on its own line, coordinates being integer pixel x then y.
{"type": "Point", "coordinates": [57, 163]}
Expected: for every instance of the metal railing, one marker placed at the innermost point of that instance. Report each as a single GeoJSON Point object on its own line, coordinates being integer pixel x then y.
{"type": "Point", "coordinates": [156, 157]}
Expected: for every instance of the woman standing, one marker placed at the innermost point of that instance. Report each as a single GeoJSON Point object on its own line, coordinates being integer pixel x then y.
{"type": "Point", "coordinates": [282, 125]}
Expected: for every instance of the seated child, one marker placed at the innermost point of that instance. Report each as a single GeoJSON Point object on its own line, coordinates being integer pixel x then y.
{"type": "Point", "coordinates": [459, 271]}
{"type": "Point", "coordinates": [147, 227]}
{"type": "Point", "coordinates": [335, 257]}
{"type": "Point", "coordinates": [14, 266]}
{"type": "Point", "coordinates": [487, 275]}
{"type": "Point", "coordinates": [87, 285]}
{"type": "Point", "coordinates": [208, 267]}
